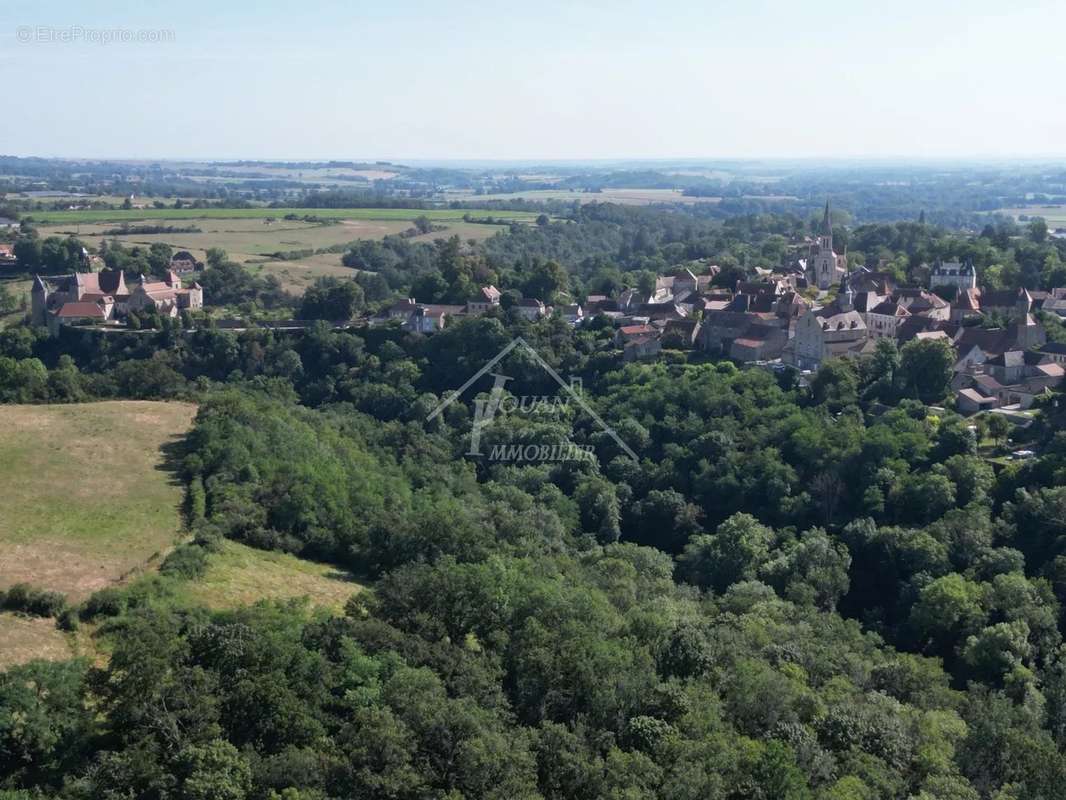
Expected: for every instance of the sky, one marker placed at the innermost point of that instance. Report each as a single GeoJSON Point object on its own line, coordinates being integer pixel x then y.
{"type": "Point", "coordinates": [409, 80]}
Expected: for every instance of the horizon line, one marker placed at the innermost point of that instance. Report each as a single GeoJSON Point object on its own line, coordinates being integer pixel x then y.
{"type": "Point", "coordinates": [503, 160]}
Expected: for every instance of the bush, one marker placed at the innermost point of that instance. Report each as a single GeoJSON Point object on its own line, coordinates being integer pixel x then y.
{"type": "Point", "coordinates": [38, 602]}
{"type": "Point", "coordinates": [195, 500]}
{"type": "Point", "coordinates": [67, 620]}
{"type": "Point", "coordinates": [104, 603]}
{"type": "Point", "coordinates": [187, 561]}
{"type": "Point", "coordinates": [209, 537]}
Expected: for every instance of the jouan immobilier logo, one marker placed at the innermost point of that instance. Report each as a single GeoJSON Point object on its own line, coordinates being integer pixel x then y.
{"type": "Point", "coordinates": [500, 401]}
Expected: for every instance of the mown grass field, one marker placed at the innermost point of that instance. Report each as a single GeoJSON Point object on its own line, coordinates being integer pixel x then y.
{"type": "Point", "coordinates": [135, 214]}
{"type": "Point", "coordinates": [86, 497]}
{"type": "Point", "coordinates": [240, 575]}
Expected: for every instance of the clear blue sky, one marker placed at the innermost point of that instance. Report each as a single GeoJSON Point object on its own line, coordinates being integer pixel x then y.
{"type": "Point", "coordinates": [539, 80]}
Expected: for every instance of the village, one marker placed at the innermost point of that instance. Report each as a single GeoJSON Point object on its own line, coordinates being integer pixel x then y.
{"type": "Point", "coordinates": [812, 310]}
{"type": "Point", "coordinates": [797, 315]}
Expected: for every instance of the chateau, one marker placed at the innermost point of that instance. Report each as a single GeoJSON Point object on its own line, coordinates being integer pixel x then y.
{"type": "Point", "coordinates": [87, 297]}
{"type": "Point", "coordinates": [957, 274]}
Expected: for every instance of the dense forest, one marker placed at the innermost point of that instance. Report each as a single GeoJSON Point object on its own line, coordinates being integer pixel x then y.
{"type": "Point", "coordinates": [788, 591]}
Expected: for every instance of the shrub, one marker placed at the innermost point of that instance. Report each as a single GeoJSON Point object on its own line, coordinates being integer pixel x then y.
{"type": "Point", "coordinates": [104, 603]}
{"type": "Point", "coordinates": [187, 561]}
{"type": "Point", "coordinates": [195, 500]}
{"type": "Point", "coordinates": [67, 620]}
{"type": "Point", "coordinates": [38, 602]}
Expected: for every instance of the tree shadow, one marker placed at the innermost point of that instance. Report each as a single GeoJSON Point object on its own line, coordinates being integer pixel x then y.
{"type": "Point", "coordinates": [173, 453]}
{"type": "Point", "coordinates": [344, 577]}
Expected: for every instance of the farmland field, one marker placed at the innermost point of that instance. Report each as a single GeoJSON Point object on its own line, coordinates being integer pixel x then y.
{"type": "Point", "coordinates": [86, 498]}
{"type": "Point", "coordinates": [242, 239]}
{"type": "Point", "coordinates": [633, 197]}
{"type": "Point", "coordinates": [1054, 214]}
{"type": "Point", "coordinates": [628, 197]}
{"type": "Point", "coordinates": [250, 240]}
{"type": "Point", "coordinates": [338, 175]}
{"type": "Point", "coordinates": [185, 214]}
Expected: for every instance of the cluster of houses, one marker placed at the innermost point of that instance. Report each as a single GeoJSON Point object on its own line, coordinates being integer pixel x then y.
{"type": "Point", "coordinates": [108, 296]}
{"type": "Point", "coordinates": [432, 317]}
{"type": "Point", "coordinates": [1003, 358]}
{"type": "Point", "coordinates": [787, 317]}
{"type": "Point", "coordinates": [772, 321]}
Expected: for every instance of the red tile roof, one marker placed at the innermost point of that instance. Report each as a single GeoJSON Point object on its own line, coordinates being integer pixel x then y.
{"type": "Point", "coordinates": [80, 310]}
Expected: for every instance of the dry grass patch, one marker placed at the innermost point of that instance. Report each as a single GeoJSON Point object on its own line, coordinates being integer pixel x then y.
{"type": "Point", "coordinates": [24, 639]}
{"type": "Point", "coordinates": [296, 276]}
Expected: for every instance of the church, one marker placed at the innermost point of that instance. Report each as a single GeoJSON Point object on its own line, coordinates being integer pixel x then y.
{"type": "Point", "coordinates": [824, 267]}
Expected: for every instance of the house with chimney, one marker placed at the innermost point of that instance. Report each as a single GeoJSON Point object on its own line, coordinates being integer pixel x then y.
{"type": "Point", "coordinates": [432, 317]}
{"type": "Point", "coordinates": [573, 313]}
{"type": "Point", "coordinates": [884, 319]}
{"type": "Point", "coordinates": [686, 283]}
{"type": "Point", "coordinates": [168, 296]}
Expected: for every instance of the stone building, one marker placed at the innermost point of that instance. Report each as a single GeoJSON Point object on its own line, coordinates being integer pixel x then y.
{"type": "Point", "coordinates": [108, 289]}
{"type": "Point", "coordinates": [955, 274]}
{"type": "Point", "coordinates": [824, 265]}
{"type": "Point", "coordinates": [836, 330]}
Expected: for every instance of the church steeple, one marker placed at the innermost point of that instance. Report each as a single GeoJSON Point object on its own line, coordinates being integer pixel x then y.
{"type": "Point", "coordinates": [826, 267]}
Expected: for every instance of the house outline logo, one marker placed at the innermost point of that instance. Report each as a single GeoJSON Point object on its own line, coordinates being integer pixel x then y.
{"type": "Point", "coordinates": [485, 410]}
